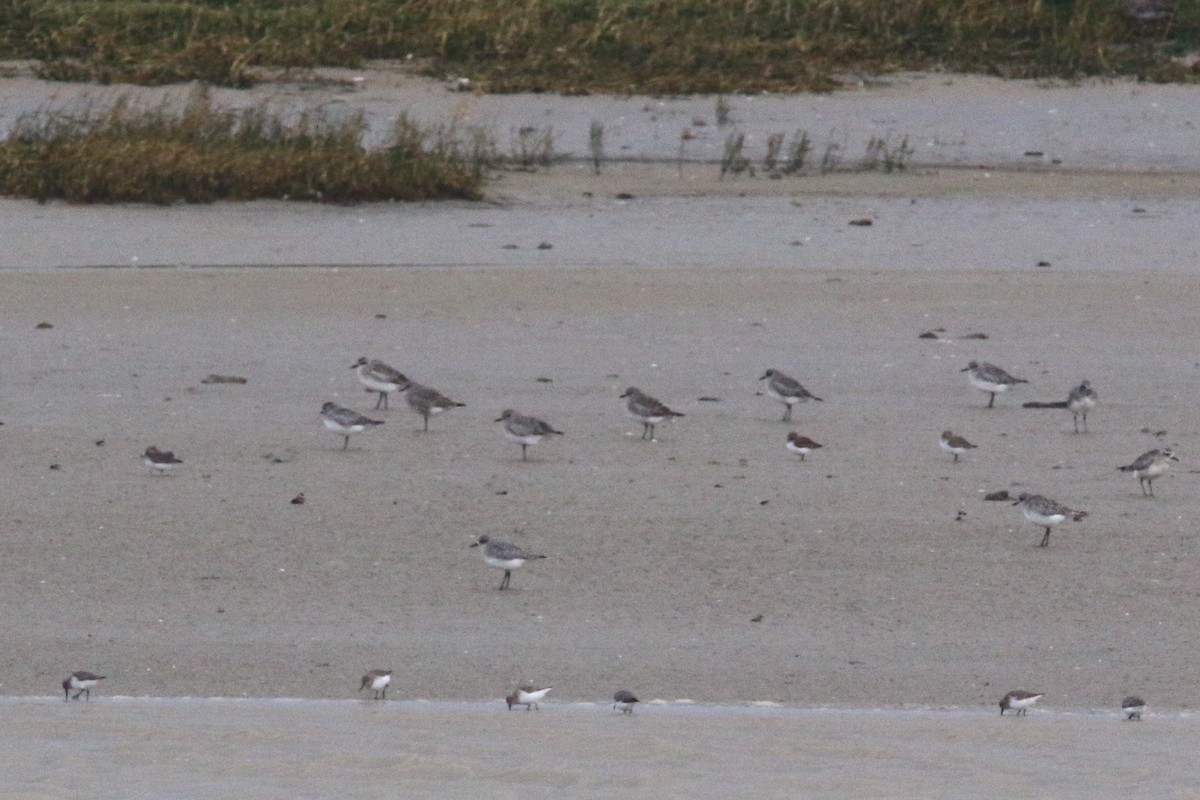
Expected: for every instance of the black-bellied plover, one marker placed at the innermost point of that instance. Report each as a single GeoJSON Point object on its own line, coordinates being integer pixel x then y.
{"type": "Point", "coordinates": [377, 681]}
{"type": "Point", "coordinates": [1080, 401]}
{"type": "Point", "coordinates": [80, 683]}
{"type": "Point", "coordinates": [991, 379]}
{"type": "Point", "coordinates": [1019, 700]}
{"type": "Point", "coordinates": [428, 402]}
{"type": "Point", "coordinates": [1043, 511]}
{"type": "Point", "coordinates": [801, 445]}
{"type": "Point", "coordinates": [625, 700]}
{"type": "Point", "coordinates": [525, 430]}
{"type": "Point", "coordinates": [504, 555]}
{"type": "Point", "coordinates": [526, 696]}
{"type": "Point", "coordinates": [1148, 466]}
{"type": "Point", "coordinates": [379, 377]}
{"type": "Point", "coordinates": [160, 460]}
{"type": "Point", "coordinates": [953, 443]}
{"type": "Point", "coordinates": [646, 410]}
{"type": "Point", "coordinates": [786, 390]}
{"type": "Point", "coordinates": [1133, 707]}
{"type": "Point", "coordinates": [344, 421]}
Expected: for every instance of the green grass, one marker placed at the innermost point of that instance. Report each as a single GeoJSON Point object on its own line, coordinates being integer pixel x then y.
{"type": "Point", "coordinates": [194, 152]}
{"type": "Point", "coordinates": [651, 46]}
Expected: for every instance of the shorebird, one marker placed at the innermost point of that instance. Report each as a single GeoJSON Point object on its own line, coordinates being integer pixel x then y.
{"type": "Point", "coordinates": [524, 430]}
{"type": "Point", "coordinates": [160, 460]}
{"type": "Point", "coordinates": [1044, 511]}
{"type": "Point", "coordinates": [624, 700]}
{"type": "Point", "coordinates": [379, 377]}
{"type": "Point", "coordinates": [80, 683]}
{"type": "Point", "coordinates": [1019, 700]}
{"type": "Point", "coordinates": [377, 680]}
{"type": "Point", "coordinates": [953, 443]}
{"type": "Point", "coordinates": [1133, 707]}
{"type": "Point", "coordinates": [1081, 400]}
{"type": "Point", "coordinates": [504, 555]}
{"type": "Point", "coordinates": [801, 445]}
{"type": "Point", "coordinates": [991, 379]}
{"type": "Point", "coordinates": [1148, 466]}
{"type": "Point", "coordinates": [344, 421]}
{"type": "Point", "coordinates": [526, 696]}
{"type": "Point", "coordinates": [646, 410]}
{"type": "Point", "coordinates": [786, 390]}
{"type": "Point", "coordinates": [428, 402]}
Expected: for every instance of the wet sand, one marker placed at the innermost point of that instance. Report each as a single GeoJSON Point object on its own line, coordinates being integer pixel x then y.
{"type": "Point", "coordinates": [709, 565]}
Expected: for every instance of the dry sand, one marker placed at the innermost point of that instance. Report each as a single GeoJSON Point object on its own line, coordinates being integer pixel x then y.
{"type": "Point", "coordinates": [709, 565]}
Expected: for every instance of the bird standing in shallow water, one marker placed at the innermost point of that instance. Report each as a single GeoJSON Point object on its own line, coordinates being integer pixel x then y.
{"type": "Point", "coordinates": [625, 700]}
{"type": "Point", "coordinates": [526, 696]}
{"type": "Point", "coordinates": [1019, 700]}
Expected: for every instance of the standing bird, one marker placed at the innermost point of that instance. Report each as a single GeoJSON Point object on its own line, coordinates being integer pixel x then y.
{"type": "Point", "coordinates": [953, 443]}
{"type": "Point", "coordinates": [624, 700]}
{"type": "Point", "coordinates": [786, 390]}
{"type": "Point", "coordinates": [379, 377]}
{"type": "Point", "coordinates": [1133, 707]}
{"type": "Point", "coordinates": [344, 421]}
{"type": "Point", "coordinates": [525, 430]}
{"type": "Point", "coordinates": [504, 555]}
{"type": "Point", "coordinates": [646, 410]}
{"type": "Point", "coordinates": [1044, 511]}
{"type": "Point", "coordinates": [991, 379]}
{"type": "Point", "coordinates": [1019, 700]}
{"type": "Point", "coordinates": [1148, 466]}
{"type": "Point", "coordinates": [160, 460]}
{"type": "Point", "coordinates": [801, 445]}
{"type": "Point", "coordinates": [1081, 400]}
{"type": "Point", "coordinates": [377, 680]}
{"type": "Point", "coordinates": [428, 402]}
{"type": "Point", "coordinates": [526, 696]}
{"type": "Point", "coordinates": [80, 683]}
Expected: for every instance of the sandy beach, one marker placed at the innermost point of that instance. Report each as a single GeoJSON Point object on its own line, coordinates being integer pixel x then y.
{"type": "Point", "coordinates": [710, 565]}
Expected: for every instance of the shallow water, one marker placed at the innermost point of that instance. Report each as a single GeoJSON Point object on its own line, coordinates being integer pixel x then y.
{"type": "Point", "coordinates": [152, 748]}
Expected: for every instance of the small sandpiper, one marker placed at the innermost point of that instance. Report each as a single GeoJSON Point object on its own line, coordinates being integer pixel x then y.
{"type": "Point", "coordinates": [646, 410]}
{"type": "Point", "coordinates": [786, 390]}
{"type": "Point", "coordinates": [379, 377]}
{"type": "Point", "coordinates": [1019, 700]}
{"type": "Point", "coordinates": [991, 379]}
{"type": "Point", "coordinates": [1148, 466]}
{"type": "Point", "coordinates": [1080, 401]}
{"type": "Point", "coordinates": [525, 430]}
{"type": "Point", "coordinates": [504, 555]}
{"type": "Point", "coordinates": [377, 681]}
{"type": "Point", "coordinates": [428, 402]}
{"type": "Point", "coordinates": [160, 460]}
{"type": "Point", "coordinates": [801, 445]}
{"type": "Point", "coordinates": [1133, 707]}
{"type": "Point", "coordinates": [81, 683]}
{"type": "Point", "coordinates": [1043, 511]}
{"type": "Point", "coordinates": [526, 696]}
{"type": "Point", "coordinates": [344, 421]}
{"type": "Point", "coordinates": [625, 700]}
{"type": "Point", "coordinates": [955, 444]}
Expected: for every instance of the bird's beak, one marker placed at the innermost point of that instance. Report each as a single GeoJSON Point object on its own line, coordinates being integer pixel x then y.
{"type": "Point", "coordinates": [965, 369]}
{"type": "Point", "coordinates": [476, 544]}
{"type": "Point", "coordinates": [501, 419]}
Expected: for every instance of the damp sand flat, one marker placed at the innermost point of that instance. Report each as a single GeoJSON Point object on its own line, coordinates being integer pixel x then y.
{"type": "Point", "coordinates": [148, 749]}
